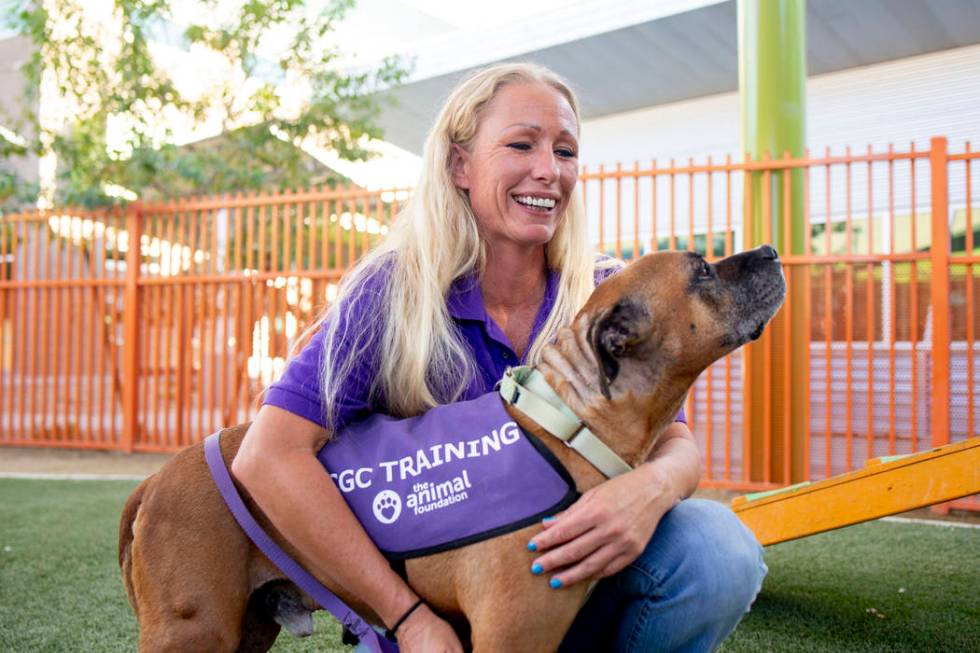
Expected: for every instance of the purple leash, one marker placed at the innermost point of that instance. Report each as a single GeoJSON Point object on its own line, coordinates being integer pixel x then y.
{"type": "Point", "coordinates": [368, 636]}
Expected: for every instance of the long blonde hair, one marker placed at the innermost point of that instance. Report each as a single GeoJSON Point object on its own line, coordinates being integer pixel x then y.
{"type": "Point", "coordinates": [422, 360]}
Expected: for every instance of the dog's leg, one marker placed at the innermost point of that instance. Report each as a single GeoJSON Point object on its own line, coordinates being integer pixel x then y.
{"type": "Point", "coordinates": [259, 630]}
{"type": "Point", "coordinates": [533, 622]}
{"type": "Point", "coordinates": [186, 601]}
{"type": "Point", "coordinates": [126, 537]}
{"type": "Point", "coordinates": [189, 564]}
{"type": "Point", "coordinates": [276, 604]}
{"type": "Point", "coordinates": [508, 608]}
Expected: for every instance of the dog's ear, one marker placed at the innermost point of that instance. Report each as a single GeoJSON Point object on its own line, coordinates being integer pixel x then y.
{"type": "Point", "coordinates": [614, 333]}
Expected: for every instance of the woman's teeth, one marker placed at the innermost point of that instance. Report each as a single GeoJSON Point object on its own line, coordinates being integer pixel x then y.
{"type": "Point", "coordinates": [536, 202]}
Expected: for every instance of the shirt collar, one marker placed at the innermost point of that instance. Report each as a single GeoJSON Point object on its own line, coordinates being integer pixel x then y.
{"type": "Point", "coordinates": [464, 301]}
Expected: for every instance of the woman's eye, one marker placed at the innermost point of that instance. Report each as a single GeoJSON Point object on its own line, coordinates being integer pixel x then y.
{"type": "Point", "coordinates": [520, 146]}
{"type": "Point", "coordinates": [565, 153]}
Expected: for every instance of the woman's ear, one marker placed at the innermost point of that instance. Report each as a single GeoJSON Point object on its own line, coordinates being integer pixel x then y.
{"type": "Point", "coordinates": [458, 168]}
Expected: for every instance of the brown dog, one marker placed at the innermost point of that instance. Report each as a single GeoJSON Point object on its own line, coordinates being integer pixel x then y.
{"type": "Point", "coordinates": [197, 583]}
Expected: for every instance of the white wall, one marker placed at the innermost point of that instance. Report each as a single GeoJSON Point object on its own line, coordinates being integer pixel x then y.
{"type": "Point", "coordinates": [909, 99]}
{"type": "Point", "coordinates": [896, 102]}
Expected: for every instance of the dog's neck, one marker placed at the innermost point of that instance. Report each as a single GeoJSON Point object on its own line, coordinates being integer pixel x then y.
{"type": "Point", "coordinates": [651, 397]}
{"type": "Point", "coordinates": [525, 389]}
{"type": "Point", "coordinates": [639, 395]}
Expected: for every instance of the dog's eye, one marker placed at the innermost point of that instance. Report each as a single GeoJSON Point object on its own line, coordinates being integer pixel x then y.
{"type": "Point", "coordinates": [705, 271]}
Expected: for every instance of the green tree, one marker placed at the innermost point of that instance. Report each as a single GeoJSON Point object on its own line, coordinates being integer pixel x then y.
{"type": "Point", "coordinates": [127, 85]}
{"type": "Point", "coordinates": [15, 192]}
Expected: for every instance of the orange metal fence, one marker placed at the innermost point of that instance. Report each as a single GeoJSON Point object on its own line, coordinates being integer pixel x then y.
{"type": "Point", "coordinates": [148, 348]}
{"type": "Point", "coordinates": [887, 275]}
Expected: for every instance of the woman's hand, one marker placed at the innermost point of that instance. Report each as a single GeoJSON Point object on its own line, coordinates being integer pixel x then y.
{"type": "Point", "coordinates": [603, 531]}
{"type": "Point", "coordinates": [424, 631]}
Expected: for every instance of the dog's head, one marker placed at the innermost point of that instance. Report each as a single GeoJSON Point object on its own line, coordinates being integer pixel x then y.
{"type": "Point", "coordinates": [672, 314]}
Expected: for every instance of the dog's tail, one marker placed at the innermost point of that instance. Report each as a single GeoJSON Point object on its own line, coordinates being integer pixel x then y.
{"type": "Point", "coordinates": [126, 538]}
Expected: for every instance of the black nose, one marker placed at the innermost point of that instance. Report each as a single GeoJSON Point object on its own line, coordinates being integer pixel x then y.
{"type": "Point", "coordinates": [768, 252]}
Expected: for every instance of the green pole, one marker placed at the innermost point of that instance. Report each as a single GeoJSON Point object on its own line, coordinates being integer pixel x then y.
{"type": "Point", "coordinates": [772, 87]}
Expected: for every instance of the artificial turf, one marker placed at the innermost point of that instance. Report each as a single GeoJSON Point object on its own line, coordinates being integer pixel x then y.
{"type": "Point", "coordinates": [877, 587]}
{"type": "Point", "coordinates": [882, 586]}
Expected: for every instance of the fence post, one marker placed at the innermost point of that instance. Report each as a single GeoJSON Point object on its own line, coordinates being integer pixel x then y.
{"type": "Point", "coordinates": [939, 291]}
{"type": "Point", "coordinates": [131, 318]}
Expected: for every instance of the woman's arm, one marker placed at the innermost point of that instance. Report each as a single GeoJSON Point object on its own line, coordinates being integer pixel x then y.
{"type": "Point", "coordinates": [277, 464]}
{"type": "Point", "coordinates": [677, 460]}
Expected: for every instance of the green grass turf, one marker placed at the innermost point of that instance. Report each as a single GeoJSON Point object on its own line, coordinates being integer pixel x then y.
{"type": "Point", "coordinates": [876, 587]}
{"type": "Point", "coordinates": [879, 586]}
{"type": "Point", "coordinates": [60, 584]}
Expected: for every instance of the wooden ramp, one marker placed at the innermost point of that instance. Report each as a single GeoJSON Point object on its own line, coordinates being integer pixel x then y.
{"type": "Point", "coordinates": [884, 487]}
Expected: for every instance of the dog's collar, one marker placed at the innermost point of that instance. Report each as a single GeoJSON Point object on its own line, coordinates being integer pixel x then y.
{"type": "Point", "coordinates": [525, 389]}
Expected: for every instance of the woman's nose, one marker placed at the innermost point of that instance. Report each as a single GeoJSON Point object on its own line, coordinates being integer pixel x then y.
{"type": "Point", "coordinates": [545, 165]}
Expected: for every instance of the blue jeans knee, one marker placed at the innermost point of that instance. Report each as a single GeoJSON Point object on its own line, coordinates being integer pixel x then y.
{"type": "Point", "coordinates": [687, 591]}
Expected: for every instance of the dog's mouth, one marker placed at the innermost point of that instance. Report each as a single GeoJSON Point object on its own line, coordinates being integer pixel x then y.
{"type": "Point", "coordinates": [769, 298]}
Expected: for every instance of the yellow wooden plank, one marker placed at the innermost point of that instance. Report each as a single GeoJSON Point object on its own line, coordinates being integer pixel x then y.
{"type": "Point", "coordinates": [884, 487]}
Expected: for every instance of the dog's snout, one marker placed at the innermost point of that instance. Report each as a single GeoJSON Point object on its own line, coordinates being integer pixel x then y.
{"type": "Point", "coordinates": [769, 252]}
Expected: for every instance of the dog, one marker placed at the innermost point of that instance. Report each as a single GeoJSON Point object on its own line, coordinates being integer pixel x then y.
{"type": "Point", "coordinates": [196, 582]}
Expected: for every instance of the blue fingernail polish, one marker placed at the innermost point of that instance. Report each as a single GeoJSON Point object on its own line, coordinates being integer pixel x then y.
{"type": "Point", "coordinates": [555, 583]}
{"type": "Point", "coordinates": [536, 569]}
{"type": "Point", "coordinates": [531, 546]}
{"type": "Point", "coordinates": [548, 519]}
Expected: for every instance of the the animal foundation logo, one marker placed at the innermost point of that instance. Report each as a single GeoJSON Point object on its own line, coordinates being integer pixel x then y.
{"type": "Point", "coordinates": [387, 507]}
{"type": "Point", "coordinates": [427, 496]}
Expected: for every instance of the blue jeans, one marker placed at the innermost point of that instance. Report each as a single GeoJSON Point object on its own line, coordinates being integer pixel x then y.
{"type": "Point", "coordinates": [686, 592]}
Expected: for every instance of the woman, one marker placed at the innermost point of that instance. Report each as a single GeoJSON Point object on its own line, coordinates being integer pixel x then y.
{"type": "Point", "coordinates": [484, 266]}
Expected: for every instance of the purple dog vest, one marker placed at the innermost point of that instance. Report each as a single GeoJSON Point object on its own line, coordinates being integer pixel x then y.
{"type": "Point", "coordinates": [456, 475]}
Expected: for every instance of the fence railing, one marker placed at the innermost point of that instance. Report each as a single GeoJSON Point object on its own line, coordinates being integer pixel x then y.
{"type": "Point", "coordinates": [146, 328]}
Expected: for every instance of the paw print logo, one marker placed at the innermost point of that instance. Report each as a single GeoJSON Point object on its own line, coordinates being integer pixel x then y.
{"type": "Point", "coordinates": [387, 506]}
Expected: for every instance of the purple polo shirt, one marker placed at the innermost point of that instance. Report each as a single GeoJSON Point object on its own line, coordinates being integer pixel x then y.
{"type": "Point", "coordinates": [298, 390]}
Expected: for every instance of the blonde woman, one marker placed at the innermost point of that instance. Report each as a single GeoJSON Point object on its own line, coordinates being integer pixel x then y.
{"type": "Point", "coordinates": [483, 267]}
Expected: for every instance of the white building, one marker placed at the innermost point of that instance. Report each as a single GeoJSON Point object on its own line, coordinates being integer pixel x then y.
{"type": "Point", "coordinates": [661, 78]}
